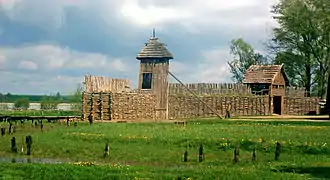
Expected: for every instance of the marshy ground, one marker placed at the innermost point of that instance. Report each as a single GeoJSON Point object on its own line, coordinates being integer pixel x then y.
{"type": "Point", "coordinates": [155, 150]}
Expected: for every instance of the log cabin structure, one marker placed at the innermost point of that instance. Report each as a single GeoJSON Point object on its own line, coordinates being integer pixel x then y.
{"type": "Point", "coordinates": [268, 80]}
{"type": "Point", "coordinates": [264, 91]}
{"type": "Point", "coordinates": [153, 76]}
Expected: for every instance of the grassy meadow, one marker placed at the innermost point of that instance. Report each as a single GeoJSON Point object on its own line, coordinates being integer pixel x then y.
{"type": "Point", "coordinates": [155, 150]}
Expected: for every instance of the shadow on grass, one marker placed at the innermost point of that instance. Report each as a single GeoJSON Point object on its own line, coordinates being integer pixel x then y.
{"type": "Point", "coordinates": [318, 172]}
{"type": "Point", "coordinates": [274, 122]}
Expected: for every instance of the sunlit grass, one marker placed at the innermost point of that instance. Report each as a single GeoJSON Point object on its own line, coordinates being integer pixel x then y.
{"type": "Point", "coordinates": [149, 150]}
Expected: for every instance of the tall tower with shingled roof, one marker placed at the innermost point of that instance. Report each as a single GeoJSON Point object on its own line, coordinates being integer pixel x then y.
{"type": "Point", "coordinates": [154, 65]}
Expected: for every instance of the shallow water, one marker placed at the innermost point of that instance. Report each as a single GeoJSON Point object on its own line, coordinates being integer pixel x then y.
{"type": "Point", "coordinates": [30, 160]}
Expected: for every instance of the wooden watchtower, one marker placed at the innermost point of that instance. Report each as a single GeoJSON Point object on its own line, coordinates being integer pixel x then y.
{"type": "Point", "coordinates": [268, 80]}
{"type": "Point", "coordinates": [153, 77]}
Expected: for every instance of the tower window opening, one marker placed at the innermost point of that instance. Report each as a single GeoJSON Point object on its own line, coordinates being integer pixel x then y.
{"type": "Point", "coordinates": [146, 80]}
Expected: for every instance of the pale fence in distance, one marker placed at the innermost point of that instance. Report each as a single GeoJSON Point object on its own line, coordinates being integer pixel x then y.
{"type": "Point", "coordinates": [210, 88]}
{"type": "Point", "coordinates": [104, 84]}
{"type": "Point", "coordinates": [226, 88]}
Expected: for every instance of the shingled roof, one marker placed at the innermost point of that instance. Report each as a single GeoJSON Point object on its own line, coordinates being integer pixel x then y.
{"type": "Point", "coordinates": [264, 74]}
{"type": "Point", "coordinates": [154, 49]}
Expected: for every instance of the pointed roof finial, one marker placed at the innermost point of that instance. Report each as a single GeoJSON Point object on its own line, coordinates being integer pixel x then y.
{"type": "Point", "coordinates": [153, 33]}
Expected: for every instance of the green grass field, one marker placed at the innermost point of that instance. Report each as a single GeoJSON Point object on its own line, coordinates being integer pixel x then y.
{"type": "Point", "coordinates": [155, 150]}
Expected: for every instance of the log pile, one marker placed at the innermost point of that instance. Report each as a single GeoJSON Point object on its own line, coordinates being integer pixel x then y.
{"type": "Point", "coordinates": [136, 106]}
{"type": "Point", "coordinates": [133, 106]}
{"type": "Point", "coordinates": [189, 107]}
{"type": "Point", "coordinates": [98, 105]}
{"type": "Point", "coordinates": [300, 106]}
{"type": "Point", "coordinates": [118, 106]}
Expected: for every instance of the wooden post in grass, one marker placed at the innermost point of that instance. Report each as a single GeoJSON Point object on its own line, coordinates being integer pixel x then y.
{"type": "Point", "coordinates": [41, 126]}
{"type": "Point", "coordinates": [277, 151]}
{"type": "Point", "coordinates": [10, 127]}
{"type": "Point", "coordinates": [201, 153]}
{"type": "Point", "coordinates": [13, 145]}
{"type": "Point", "coordinates": [236, 154]}
{"type": "Point", "coordinates": [22, 145]}
{"type": "Point", "coordinates": [28, 141]}
{"type": "Point", "coordinates": [254, 156]}
{"type": "Point", "coordinates": [3, 131]}
{"type": "Point", "coordinates": [185, 156]}
{"type": "Point", "coordinates": [106, 149]}
{"type": "Point", "coordinates": [67, 122]}
{"type": "Point", "coordinates": [90, 118]}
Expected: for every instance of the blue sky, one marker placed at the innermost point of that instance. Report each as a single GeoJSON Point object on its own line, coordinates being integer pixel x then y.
{"type": "Point", "coordinates": [47, 46]}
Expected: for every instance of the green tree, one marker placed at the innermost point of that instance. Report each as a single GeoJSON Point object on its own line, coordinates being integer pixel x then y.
{"type": "Point", "coordinates": [8, 98]}
{"type": "Point", "coordinates": [301, 42]}
{"type": "Point", "coordinates": [76, 98]}
{"type": "Point", "coordinates": [58, 96]}
{"type": "Point", "coordinates": [22, 103]}
{"type": "Point", "coordinates": [244, 57]}
{"type": "Point", "coordinates": [49, 103]}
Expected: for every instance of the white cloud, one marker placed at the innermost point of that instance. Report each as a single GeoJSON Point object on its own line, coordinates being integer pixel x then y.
{"type": "Point", "coordinates": [52, 57]}
{"type": "Point", "coordinates": [2, 61]}
{"type": "Point", "coordinates": [46, 14]}
{"type": "Point", "coordinates": [35, 83]}
{"type": "Point", "coordinates": [28, 65]}
{"type": "Point", "coordinates": [146, 13]}
{"type": "Point", "coordinates": [199, 14]}
{"type": "Point", "coordinates": [119, 65]}
{"type": "Point", "coordinates": [152, 15]}
{"type": "Point", "coordinates": [45, 63]}
{"type": "Point", "coordinates": [212, 67]}
{"type": "Point", "coordinates": [50, 67]}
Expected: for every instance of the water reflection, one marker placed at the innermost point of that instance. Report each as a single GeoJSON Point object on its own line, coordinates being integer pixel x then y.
{"type": "Point", "coordinates": [30, 160]}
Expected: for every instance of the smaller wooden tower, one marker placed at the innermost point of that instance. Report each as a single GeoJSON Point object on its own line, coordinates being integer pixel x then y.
{"type": "Point", "coordinates": [268, 80]}
{"type": "Point", "coordinates": [153, 77]}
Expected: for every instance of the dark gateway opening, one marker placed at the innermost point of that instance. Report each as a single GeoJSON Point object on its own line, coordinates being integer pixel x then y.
{"type": "Point", "coordinates": [277, 103]}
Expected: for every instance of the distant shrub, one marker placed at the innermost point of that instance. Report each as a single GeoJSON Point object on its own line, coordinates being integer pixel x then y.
{"type": "Point", "coordinates": [48, 103]}
{"type": "Point", "coordinates": [22, 103]}
{"type": "Point", "coordinates": [4, 106]}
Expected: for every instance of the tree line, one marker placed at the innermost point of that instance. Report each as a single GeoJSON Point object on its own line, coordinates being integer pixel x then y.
{"type": "Point", "coordinates": [47, 102]}
{"type": "Point", "coordinates": [12, 98]}
{"type": "Point", "coordinates": [301, 42]}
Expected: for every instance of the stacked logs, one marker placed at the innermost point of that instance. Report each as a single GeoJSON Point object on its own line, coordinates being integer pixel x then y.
{"type": "Point", "coordinates": [189, 107]}
{"type": "Point", "coordinates": [118, 106]}
{"type": "Point", "coordinates": [132, 106]}
{"type": "Point", "coordinates": [97, 105]}
{"type": "Point", "coordinates": [300, 106]}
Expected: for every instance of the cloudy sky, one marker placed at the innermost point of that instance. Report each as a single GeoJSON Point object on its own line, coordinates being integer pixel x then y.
{"type": "Point", "coordinates": [46, 46]}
